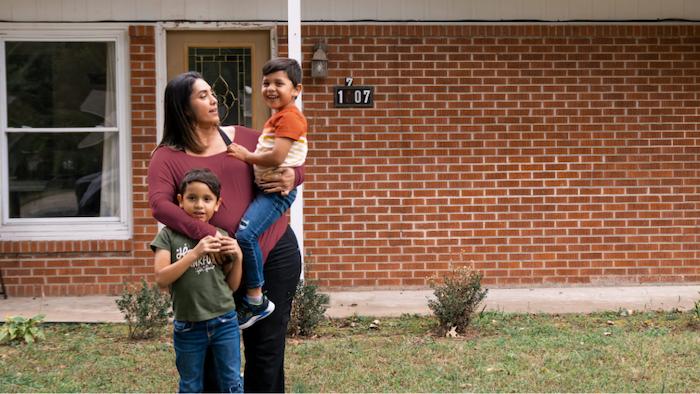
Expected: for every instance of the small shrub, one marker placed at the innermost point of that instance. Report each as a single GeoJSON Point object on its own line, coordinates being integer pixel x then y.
{"type": "Point", "coordinates": [695, 315]}
{"type": "Point", "coordinates": [145, 309]}
{"type": "Point", "coordinates": [21, 329]}
{"type": "Point", "coordinates": [456, 299]}
{"type": "Point", "coordinates": [308, 307]}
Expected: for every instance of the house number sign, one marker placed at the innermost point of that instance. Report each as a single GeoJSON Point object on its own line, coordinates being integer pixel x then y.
{"type": "Point", "coordinates": [353, 96]}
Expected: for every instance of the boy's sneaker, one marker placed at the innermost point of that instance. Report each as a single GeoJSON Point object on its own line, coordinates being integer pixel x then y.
{"type": "Point", "coordinates": [248, 314]}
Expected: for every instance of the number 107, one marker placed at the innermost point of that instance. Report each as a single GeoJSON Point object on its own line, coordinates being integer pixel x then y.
{"type": "Point", "coordinates": [354, 96]}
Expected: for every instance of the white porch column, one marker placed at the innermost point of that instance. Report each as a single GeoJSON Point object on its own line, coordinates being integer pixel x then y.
{"type": "Point", "coordinates": [294, 45]}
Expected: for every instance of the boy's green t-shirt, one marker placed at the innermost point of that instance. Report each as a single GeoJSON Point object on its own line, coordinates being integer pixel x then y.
{"type": "Point", "coordinates": [201, 293]}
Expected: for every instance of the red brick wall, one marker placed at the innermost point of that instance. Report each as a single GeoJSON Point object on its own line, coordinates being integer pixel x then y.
{"type": "Point", "coordinates": [58, 268]}
{"type": "Point", "coordinates": [542, 154]}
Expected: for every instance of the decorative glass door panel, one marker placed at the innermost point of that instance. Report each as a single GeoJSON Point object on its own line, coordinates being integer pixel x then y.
{"type": "Point", "coordinates": [231, 62]}
{"type": "Point", "coordinates": [228, 71]}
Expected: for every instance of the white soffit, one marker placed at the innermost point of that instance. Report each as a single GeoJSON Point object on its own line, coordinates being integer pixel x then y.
{"type": "Point", "coordinates": [350, 10]}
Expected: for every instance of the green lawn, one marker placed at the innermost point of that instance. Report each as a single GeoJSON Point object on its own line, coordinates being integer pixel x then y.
{"type": "Point", "coordinates": [648, 352]}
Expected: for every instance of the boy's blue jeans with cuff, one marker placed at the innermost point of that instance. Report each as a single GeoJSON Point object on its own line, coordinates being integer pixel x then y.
{"type": "Point", "coordinates": [260, 215]}
{"type": "Point", "coordinates": [191, 341]}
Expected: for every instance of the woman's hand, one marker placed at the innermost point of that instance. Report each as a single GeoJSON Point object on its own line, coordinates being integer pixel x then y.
{"type": "Point", "coordinates": [280, 180]}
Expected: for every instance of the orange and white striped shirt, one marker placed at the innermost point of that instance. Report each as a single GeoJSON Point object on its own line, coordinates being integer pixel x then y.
{"type": "Point", "coordinates": [289, 123]}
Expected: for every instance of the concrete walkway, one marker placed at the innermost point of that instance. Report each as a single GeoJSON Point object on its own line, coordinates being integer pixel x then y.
{"type": "Point", "coordinates": [93, 309]}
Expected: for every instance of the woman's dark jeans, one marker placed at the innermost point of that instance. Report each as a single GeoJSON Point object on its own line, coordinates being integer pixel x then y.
{"type": "Point", "coordinates": [265, 340]}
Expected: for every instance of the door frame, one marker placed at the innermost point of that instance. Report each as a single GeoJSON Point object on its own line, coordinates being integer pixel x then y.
{"type": "Point", "coordinates": [161, 30]}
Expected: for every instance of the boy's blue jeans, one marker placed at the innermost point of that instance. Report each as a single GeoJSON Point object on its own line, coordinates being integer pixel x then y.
{"type": "Point", "coordinates": [191, 340]}
{"type": "Point", "coordinates": [261, 213]}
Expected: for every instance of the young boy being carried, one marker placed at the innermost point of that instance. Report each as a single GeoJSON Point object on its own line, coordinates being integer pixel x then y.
{"type": "Point", "coordinates": [282, 144]}
{"type": "Point", "coordinates": [201, 290]}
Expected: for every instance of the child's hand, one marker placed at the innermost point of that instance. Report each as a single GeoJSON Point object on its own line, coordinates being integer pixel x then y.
{"type": "Point", "coordinates": [238, 151]}
{"type": "Point", "coordinates": [220, 258]}
{"type": "Point", "coordinates": [206, 245]}
{"type": "Point", "coordinates": [230, 248]}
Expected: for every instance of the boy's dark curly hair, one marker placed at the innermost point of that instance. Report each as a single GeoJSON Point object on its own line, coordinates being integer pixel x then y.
{"type": "Point", "coordinates": [290, 66]}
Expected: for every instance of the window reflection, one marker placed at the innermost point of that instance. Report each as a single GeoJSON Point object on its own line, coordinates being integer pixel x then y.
{"type": "Point", "coordinates": [63, 175]}
{"type": "Point", "coordinates": [60, 84]}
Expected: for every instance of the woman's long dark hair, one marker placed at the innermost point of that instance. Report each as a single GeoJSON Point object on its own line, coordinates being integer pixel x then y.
{"type": "Point", "coordinates": [179, 125]}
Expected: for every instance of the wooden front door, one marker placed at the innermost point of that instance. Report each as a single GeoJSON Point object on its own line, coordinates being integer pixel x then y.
{"type": "Point", "coordinates": [231, 62]}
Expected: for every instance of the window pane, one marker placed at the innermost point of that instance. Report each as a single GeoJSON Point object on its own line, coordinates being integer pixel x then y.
{"type": "Point", "coordinates": [63, 174]}
{"type": "Point", "coordinates": [60, 84]}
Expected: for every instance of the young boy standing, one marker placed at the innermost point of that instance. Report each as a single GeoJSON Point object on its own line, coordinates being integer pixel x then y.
{"type": "Point", "coordinates": [205, 313]}
{"type": "Point", "coordinates": [282, 144]}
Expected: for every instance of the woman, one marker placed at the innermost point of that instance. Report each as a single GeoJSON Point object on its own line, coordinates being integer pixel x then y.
{"type": "Point", "coordinates": [192, 139]}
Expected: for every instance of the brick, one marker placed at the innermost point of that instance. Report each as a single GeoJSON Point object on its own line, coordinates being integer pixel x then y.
{"type": "Point", "coordinates": [545, 155]}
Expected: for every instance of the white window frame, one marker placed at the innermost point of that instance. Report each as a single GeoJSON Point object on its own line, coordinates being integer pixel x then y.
{"type": "Point", "coordinates": [72, 228]}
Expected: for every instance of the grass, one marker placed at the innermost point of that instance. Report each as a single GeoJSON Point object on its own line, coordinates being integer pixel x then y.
{"type": "Point", "coordinates": [647, 352]}
{"type": "Point", "coordinates": [88, 358]}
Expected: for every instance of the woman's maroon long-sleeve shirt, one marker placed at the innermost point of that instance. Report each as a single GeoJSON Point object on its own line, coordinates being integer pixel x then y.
{"type": "Point", "coordinates": [167, 169]}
